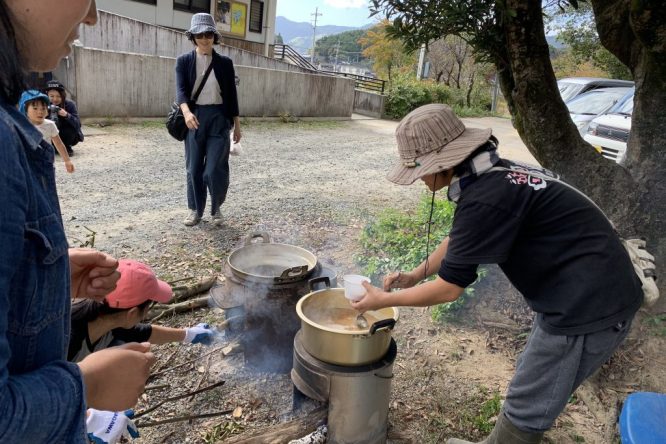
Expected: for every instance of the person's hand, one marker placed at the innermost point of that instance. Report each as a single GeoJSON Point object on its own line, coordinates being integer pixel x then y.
{"type": "Point", "coordinates": [105, 427]}
{"type": "Point", "coordinates": [237, 134]}
{"type": "Point", "coordinates": [374, 299]}
{"type": "Point", "coordinates": [115, 377]}
{"type": "Point", "coordinates": [199, 334]}
{"type": "Point", "coordinates": [94, 274]}
{"type": "Point", "coordinates": [399, 280]}
{"type": "Point", "coordinates": [69, 166]}
{"type": "Point", "coordinates": [191, 120]}
{"type": "Point", "coordinates": [62, 112]}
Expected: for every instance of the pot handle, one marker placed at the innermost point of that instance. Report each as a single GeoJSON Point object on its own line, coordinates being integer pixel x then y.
{"type": "Point", "coordinates": [317, 280]}
{"type": "Point", "coordinates": [293, 272]}
{"type": "Point", "coordinates": [266, 238]}
{"type": "Point", "coordinates": [380, 325]}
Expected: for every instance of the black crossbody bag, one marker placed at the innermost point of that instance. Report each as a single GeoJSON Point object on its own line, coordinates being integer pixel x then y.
{"type": "Point", "coordinates": [175, 121]}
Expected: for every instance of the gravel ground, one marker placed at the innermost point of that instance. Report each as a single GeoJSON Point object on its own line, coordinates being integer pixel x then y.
{"type": "Point", "coordinates": [306, 183]}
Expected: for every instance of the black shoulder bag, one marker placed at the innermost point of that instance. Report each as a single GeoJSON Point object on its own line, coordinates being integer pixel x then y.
{"type": "Point", "coordinates": [175, 121]}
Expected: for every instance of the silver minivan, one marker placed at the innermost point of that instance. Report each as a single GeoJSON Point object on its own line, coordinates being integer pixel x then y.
{"type": "Point", "coordinates": [570, 87]}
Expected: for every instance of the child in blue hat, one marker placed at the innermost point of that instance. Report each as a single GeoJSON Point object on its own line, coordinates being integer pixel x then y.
{"type": "Point", "coordinates": [35, 105]}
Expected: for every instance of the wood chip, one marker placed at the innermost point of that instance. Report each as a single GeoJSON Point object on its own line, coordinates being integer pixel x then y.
{"type": "Point", "coordinates": [238, 412]}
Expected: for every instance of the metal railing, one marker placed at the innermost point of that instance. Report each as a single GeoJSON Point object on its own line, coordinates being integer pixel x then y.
{"type": "Point", "coordinates": [362, 82]}
{"type": "Point", "coordinates": [283, 52]}
{"type": "Point", "coordinates": [286, 52]}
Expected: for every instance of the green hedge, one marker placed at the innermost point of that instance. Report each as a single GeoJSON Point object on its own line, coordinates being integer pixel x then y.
{"type": "Point", "coordinates": [405, 94]}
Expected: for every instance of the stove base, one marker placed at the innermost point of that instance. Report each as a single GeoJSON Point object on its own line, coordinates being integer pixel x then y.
{"type": "Point", "coordinates": [358, 397]}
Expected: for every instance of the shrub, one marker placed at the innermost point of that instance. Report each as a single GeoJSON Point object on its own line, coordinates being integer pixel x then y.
{"type": "Point", "coordinates": [405, 94]}
{"type": "Point", "coordinates": [397, 241]}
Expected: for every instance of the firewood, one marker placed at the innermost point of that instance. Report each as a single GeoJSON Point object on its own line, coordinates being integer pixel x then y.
{"type": "Point", "coordinates": [155, 314]}
{"type": "Point", "coordinates": [284, 432]}
{"type": "Point", "coordinates": [194, 290]}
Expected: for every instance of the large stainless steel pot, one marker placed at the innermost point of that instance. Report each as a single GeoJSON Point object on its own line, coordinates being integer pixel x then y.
{"type": "Point", "coordinates": [330, 332]}
{"type": "Point", "coordinates": [260, 260]}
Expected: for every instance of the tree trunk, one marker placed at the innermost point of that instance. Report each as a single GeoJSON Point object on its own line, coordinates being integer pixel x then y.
{"type": "Point", "coordinates": [635, 32]}
{"type": "Point", "coordinates": [470, 87]}
{"type": "Point", "coordinates": [631, 197]}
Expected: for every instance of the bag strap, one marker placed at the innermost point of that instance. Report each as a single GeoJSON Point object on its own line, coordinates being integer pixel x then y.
{"type": "Point", "coordinates": [203, 82]}
{"type": "Point", "coordinates": [554, 179]}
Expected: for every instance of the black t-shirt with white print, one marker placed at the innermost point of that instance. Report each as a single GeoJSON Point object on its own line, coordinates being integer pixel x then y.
{"type": "Point", "coordinates": [555, 247]}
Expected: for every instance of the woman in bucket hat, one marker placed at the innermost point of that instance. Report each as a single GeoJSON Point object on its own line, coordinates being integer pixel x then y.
{"type": "Point", "coordinates": [555, 247]}
{"type": "Point", "coordinates": [210, 119]}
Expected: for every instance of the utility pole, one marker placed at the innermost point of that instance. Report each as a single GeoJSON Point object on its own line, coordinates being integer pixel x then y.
{"type": "Point", "coordinates": [419, 69]}
{"type": "Point", "coordinates": [314, 33]}
{"type": "Point", "coordinates": [337, 48]}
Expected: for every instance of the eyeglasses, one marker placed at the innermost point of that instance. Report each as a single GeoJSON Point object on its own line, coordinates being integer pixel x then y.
{"type": "Point", "coordinates": [205, 35]}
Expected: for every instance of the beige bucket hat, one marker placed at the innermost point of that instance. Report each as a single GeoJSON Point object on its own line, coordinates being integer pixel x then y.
{"type": "Point", "coordinates": [432, 139]}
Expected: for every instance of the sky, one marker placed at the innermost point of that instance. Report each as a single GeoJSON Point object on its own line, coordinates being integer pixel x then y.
{"type": "Point", "coordinates": [334, 12]}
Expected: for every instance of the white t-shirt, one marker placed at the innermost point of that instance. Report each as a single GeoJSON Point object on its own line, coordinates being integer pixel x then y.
{"type": "Point", "coordinates": [48, 129]}
{"type": "Point", "coordinates": [210, 94]}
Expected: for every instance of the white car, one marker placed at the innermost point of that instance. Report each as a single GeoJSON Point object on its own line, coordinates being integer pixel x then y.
{"type": "Point", "coordinates": [585, 107]}
{"type": "Point", "coordinates": [609, 133]}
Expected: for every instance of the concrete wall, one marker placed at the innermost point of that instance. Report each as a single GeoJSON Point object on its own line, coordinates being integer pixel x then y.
{"type": "Point", "coordinates": [118, 33]}
{"type": "Point", "coordinates": [369, 104]}
{"type": "Point", "coordinates": [116, 84]}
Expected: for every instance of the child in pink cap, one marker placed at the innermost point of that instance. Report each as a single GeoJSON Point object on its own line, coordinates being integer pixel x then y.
{"type": "Point", "coordinates": [98, 325]}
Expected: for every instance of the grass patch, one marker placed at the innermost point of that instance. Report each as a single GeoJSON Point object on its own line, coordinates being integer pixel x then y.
{"type": "Point", "coordinates": [153, 124]}
{"type": "Point", "coordinates": [474, 417]}
{"type": "Point", "coordinates": [656, 324]}
{"type": "Point", "coordinates": [396, 241]}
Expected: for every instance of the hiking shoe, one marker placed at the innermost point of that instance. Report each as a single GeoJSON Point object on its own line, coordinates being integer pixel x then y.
{"type": "Point", "coordinates": [192, 219]}
{"type": "Point", "coordinates": [217, 218]}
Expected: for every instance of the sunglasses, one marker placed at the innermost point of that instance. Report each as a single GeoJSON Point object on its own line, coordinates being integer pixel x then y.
{"type": "Point", "coordinates": [205, 35]}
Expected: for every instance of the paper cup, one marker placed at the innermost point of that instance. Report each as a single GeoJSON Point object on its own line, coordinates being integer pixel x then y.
{"type": "Point", "coordinates": [354, 291]}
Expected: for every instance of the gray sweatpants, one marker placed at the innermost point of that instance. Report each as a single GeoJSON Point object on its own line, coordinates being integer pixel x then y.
{"type": "Point", "coordinates": [551, 368]}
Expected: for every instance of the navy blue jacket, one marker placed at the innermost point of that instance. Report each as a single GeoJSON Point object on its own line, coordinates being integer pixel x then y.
{"type": "Point", "coordinates": [223, 68]}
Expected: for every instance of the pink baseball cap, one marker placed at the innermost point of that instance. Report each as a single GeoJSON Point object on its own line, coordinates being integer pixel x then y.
{"type": "Point", "coordinates": [137, 284]}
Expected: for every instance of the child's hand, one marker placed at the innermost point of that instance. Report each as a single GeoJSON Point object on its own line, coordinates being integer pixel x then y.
{"type": "Point", "coordinates": [69, 166]}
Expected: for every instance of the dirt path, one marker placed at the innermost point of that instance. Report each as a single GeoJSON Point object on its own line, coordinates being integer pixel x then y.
{"type": "Point", "coordinates": [314, 185]}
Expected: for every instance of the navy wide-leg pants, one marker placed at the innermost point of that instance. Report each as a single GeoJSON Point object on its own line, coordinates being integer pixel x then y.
{"type": "Point", "coordinates": [207, 159]}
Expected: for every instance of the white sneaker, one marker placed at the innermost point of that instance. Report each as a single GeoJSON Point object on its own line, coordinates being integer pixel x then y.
{"type": "Point", "coordinates": [217, 218]}
{"type": "Point", "coordinates": [192, 219]}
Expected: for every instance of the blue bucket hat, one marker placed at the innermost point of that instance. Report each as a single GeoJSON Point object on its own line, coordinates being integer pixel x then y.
{"type": "Point", "coordinates": [201, 23]}
{"type": "Point", "coordinates": [30, 96]}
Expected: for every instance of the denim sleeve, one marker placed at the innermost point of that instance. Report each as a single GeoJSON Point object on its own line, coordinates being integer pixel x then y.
{"type": "Point", "coordinates": [38, 402]}
{"type": "Point", "coordinates": [182, 91]}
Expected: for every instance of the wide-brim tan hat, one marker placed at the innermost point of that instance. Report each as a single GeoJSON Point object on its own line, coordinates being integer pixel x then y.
{"type": "Point", "coordinates": [432, 139]}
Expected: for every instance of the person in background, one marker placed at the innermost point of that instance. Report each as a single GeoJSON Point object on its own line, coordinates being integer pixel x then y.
{"type": "Point", "coordinates": [35, 106]}
{"type": "Point", "coordinates": [65, 115]}
{"type": "Point", "coordinates": [209, 119]}
{"type": "Point", "coordinates": [553, 244]}
{"type": "Point", "coordinates": [44, 398]}
{"type": "Point", "coordinates": [98, 325]}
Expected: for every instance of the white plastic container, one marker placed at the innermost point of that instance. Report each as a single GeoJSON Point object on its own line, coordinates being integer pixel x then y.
{"type": "Point", "coordinates": [354, 291]}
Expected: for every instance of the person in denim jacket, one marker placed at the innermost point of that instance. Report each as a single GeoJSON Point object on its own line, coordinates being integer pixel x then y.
{"type": "Point", "coordinates": [43, 398]}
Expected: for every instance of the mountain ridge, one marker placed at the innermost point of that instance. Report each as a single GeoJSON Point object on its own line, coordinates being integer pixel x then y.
{"type": "Point", "coordinates": [299, 34]}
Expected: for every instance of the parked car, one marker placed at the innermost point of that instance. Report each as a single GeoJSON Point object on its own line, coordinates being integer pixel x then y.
{"type": "Point", "coordinates": [585, 107]}
{"type": "Point", "coordinates": [609, 132]}
{"type": "Point", "coordinates": [570, 87]}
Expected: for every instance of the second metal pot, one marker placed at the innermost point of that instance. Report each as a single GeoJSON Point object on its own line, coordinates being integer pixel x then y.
{"type": "Point", "coordinates": [270, 263]}
{"type": "Point", "coordinates": [330, 333]}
